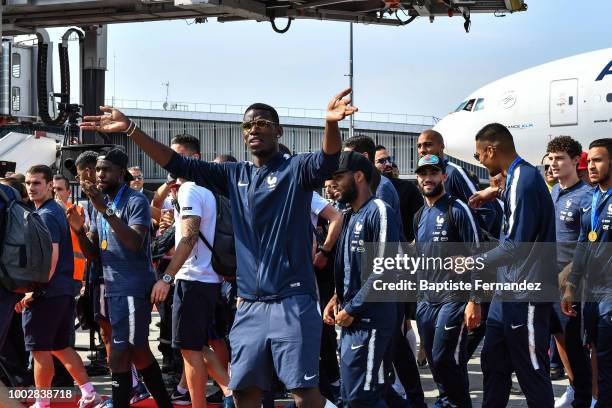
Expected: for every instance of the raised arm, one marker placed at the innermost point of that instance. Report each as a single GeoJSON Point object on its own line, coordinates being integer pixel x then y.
{"type": "Point", "coordinates": [113, 121]}
{"type": "Point", "coordinates": [337, 110]}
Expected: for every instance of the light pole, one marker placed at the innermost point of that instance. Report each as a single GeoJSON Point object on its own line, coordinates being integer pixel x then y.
{"type": "Point", "coordinates": [352, 117]}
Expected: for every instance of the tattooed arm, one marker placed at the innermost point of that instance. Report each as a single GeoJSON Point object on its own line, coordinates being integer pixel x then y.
{"type": "Point", "coordinates": [190, 228]}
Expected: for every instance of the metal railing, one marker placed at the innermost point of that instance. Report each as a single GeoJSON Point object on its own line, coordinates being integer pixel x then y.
{"type": "Point", "coordinates": [205, 107]}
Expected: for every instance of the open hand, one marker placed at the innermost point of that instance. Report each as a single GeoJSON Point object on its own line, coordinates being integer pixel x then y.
{"type": "Point", "coordinates": [339, 108]}
{"type": "Point", "coordinates": [160, 291]}
{"type": "Point", "coordinates": [472, 315]}
{"type": "Point", "coordinates": [76, 218]}
{"type": "Point", "coordinates": [112, 121]}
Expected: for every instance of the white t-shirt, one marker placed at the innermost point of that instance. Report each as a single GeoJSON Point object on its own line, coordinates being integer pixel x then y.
{"type": "Point", "coordinates": [196, 200]}
{"type": "Point", "coordinates": [317, 205]}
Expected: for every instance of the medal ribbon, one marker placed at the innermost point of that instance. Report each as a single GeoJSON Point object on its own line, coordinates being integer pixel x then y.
{"type": "Point", "coordinates": [113, 206]}
{"type": "Point", "coordinates": [595, 209]}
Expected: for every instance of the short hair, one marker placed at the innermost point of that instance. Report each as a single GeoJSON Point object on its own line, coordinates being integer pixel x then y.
{"type": "Point", "coordinates": [189, 142]}
{"type": "Point", "coordinates": [87, 158]}
{"type": "Point", "coordinates": [17, 185]}
{"type": "Point", "coordinates": [566, 144]}
{"type": "Point", "coordinates": [264, 107]}
{"type": "Point", "coordinates": [436, 135]}
{"type": "Point", "coordinates": [605, 142]}
{"type": "Point", "coordinates": [496, 133]}
{"type": "Point", "coordinates": [61, 177]}
{"type": "Point", "coordinates": [42, 169]}
{"type": "Point", "coordinates": [380, 147]}
{"type": "Point", "coordinates": [223, 158]}
{"type": "Point", "coordinates": [135, 168]}
{"type": "Point", "coordinates": [20, 177]}
{"type": "Point", "coordinates": [362, 144]}
{"type": "Point", "coordinates": [284, 149]}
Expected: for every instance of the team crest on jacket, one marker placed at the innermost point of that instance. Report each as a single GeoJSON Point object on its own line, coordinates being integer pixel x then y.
{"type": "Point", "coordinates": [568, 203]}
{"type": "Point", "coordinates": [439, 220]}
{"type": "Point", "coordinates": [272, 182]}
{"type": "Point", "coordinates": [358, 228]}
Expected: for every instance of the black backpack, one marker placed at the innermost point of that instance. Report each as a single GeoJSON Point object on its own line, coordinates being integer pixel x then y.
{"type": "Point", "coordinates": [485, 235]}
{"type": "Point", "coordinates": [223, 249]}
{"type": "Point", "coordinates": [25, 250]}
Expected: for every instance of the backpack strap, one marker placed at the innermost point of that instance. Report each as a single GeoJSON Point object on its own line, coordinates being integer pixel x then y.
{"type": "Point", "coordinates": [177, 206]}
{"type": "Point", "coordinates": [417, 220]}
{"type": "Point", "coordinates": [451, 218]}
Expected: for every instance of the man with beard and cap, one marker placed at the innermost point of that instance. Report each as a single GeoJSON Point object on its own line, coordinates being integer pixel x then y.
{"type": "Point", "coordinates": [367, 327]}
{"type": "Point", "coordinates": [518, 328]}
{"type": "Point", "coordinates": [119, 239]}
{"type": "Point", "coordinates": [278, 325]}
{"type": "Point", "coordinates": [592, 266]}
{"type": "Point", "coordinates": [458, 183]}
{"type": "Point", "coordinates": [442, 223]}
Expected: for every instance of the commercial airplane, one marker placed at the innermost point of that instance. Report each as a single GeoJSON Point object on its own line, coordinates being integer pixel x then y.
{"type": "Point", "coordinates": [571, 96]}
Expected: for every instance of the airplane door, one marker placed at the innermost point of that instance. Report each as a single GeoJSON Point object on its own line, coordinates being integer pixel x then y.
{"type": "Point", "coordinates": [564, 102]}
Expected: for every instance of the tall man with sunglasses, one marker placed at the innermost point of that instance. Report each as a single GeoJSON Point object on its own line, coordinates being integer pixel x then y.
{"type": "Point", "coordinates": [518, 328]}
{"type": "Point", "coordinates": [278, 324]}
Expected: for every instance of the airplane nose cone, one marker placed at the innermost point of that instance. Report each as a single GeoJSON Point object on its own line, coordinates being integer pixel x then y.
{"type": "Point", "coordinates": [459, 133]}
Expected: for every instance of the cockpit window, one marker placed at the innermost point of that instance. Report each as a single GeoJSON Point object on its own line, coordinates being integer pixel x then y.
{"type": "Point", "coordinates": [468, 106]}
{"type": "Point", "coordinates": [479, 104]}
{"type": "Point", "coordinates": [460, 107]}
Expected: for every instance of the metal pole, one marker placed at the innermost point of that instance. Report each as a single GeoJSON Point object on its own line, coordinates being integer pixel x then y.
{"type": "Point", "coordinates": [352, 117]}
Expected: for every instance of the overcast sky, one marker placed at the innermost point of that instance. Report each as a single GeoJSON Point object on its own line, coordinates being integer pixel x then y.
{"type": "Point", "coordinates": [421, 68]}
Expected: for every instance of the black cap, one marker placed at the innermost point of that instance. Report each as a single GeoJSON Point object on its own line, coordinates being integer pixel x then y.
{"type": "Point", "coordinates": [353, 161]}
{"type": "Point", "coordinates": [117, 156]}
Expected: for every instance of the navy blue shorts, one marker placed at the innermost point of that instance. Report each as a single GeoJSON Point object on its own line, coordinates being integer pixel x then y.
{"type": "Point", "coordinates": [193, 311]}
{"type": "Point", "coordinates": [129, 317]}
{"type": "Point", "coordinates": [100, 305]}
{"type": "Point", "coordinates": [48, 323]}
{"type": "Point", "coordinates": [282, 336]}
{"type": "Point", "coordinates": [364, 364]}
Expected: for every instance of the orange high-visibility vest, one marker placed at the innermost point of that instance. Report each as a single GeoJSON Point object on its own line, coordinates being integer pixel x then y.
{"type": "Point", "coordinates": [79, 258]}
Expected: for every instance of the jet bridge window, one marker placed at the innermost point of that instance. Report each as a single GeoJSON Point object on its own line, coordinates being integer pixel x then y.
{"type": "Point", "coordinates": [479, 104]}
{"type": "Point", "coordinates": [468, 106]}
{"type": "Point", "coordinates": [16, 98]}
{"type": "Point", "coordinates": [16, 67]}
{"type": "Point", "coordinates": [609, 97]}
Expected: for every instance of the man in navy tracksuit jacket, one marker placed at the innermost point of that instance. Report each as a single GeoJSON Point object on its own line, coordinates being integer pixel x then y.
{"type": "Point", "coordinates": [570, 195]}
{"type": "Point", "coordinates": [367, 326]}
{"type": "Point", "coordinates": [278, 323]}
{"type": "Point", "coordinates": [458, 184]}
{"type": "Point", "coordinates": [440, 314]}
{"type": "Point", "coordinates": [593, 264]}
{"type": "Point", "coordinates": [517, 334]}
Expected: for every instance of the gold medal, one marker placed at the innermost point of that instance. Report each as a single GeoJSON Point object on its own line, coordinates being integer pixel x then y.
{"type": "Point", "coordinates": [592, 236]}
{"type": "Point", "coordinates": [103, 244]}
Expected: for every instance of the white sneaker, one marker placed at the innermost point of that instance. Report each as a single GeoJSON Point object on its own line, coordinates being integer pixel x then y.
{"type": "Point", "coordinates": [593, 403]}
{"type": "Point", "coordinates": [565, 401]}
{"type": "Point", "coordinates": [90, 402]}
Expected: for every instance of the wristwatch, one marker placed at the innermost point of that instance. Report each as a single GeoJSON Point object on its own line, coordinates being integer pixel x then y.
{"type": "Point", "coordinates": [109, 212]}
{"type": "Point", "coordinates": [323, 251]}
{"type": "Point", "coordinates": [167, 278]}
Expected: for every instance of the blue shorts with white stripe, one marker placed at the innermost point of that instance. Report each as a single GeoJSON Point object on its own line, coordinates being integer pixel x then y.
{"type": "Point", "coordinates": [130, 318]}
{"type": "Point", "coordinates": [365, 365]}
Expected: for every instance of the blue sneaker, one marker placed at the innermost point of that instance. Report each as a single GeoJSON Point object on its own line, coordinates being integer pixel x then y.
{"type": "Point", "coordinates": [107, 403]}
{"type": "Point", "coordinates": [139, 393]}
{"type": "Point", "coordinates": [228, 402]}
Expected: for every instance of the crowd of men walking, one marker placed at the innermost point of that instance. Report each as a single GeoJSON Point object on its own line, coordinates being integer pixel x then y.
{"type": "Point", "coordinates": [252, 270]}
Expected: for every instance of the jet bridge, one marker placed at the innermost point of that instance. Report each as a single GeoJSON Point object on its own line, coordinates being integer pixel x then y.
{"type": "Point", "coordinates": [19, 16]}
